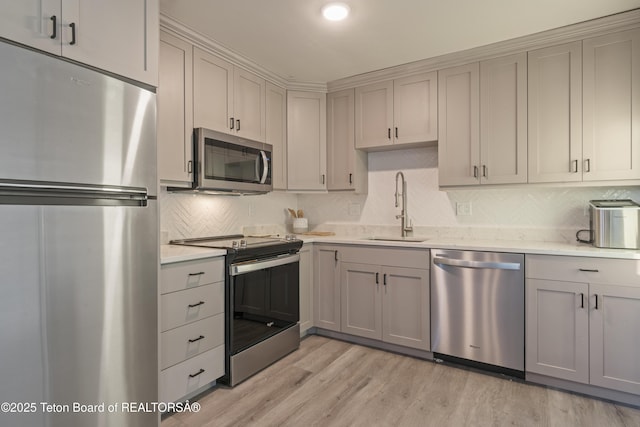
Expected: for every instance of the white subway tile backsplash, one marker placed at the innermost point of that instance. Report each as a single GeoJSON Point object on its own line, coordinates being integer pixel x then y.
{"type": "Point", "coordinates": [524, 212]}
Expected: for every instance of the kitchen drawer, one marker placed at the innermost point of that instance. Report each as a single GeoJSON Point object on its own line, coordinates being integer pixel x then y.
{"type": "Point", "coordinates": [410, 258]}
{"type": "Point", "coordinates": [183, 307]}
{"type": "Point", "coordinates": [189, 274]}
{"type": "Point", "coordinates": [191, 375]}
{"type": "Point", "coordinates": [583, 269]}
{"type": "Point", "coordinates": [175, 345]}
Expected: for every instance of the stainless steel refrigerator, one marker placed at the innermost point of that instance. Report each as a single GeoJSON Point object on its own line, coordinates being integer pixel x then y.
{"type": "Point", "coordinates": [78, 245]}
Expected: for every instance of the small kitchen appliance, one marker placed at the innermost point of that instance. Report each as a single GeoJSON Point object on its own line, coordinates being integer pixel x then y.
{"type": "Point", "coordinates": [613, 224]}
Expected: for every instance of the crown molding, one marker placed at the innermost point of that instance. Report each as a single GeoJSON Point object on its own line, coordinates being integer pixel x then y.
{"type": "Point", "coordinates": [593, 28]}
{"type": "Point", "coordinates": [200, 40]}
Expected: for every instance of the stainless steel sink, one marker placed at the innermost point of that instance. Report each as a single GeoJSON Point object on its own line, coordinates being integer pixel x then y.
{"type": "Point", "coordinates": [398, 239]}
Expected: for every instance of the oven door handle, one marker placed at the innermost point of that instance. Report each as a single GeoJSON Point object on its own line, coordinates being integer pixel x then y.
{"type": "Point", "coordinates": [249, 267]}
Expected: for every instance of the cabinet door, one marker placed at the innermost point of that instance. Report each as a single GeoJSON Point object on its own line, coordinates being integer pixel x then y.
{"type": "Point", "coordinates": [615, 337]}
{"type": "Point", "coordinates": [555, 113]}
{"type": "Point", "coordinates": [212, 92]}
{"type": "Point", "coordinates": [415, 109]}
{"type": "Point", "coordinates": [558, 329]}
{"type": "Point", "coordinates": [306, 288]}
{"type": "Point", "coordinates": [458, 125]}
{"type": "Point", "coordinates": [503, 120]}
{"type": "Point", "coordinates": [361, 300]}
{"type": "Point", "coordinates": [326, 298]}
{"type": "Point", "coordinates": [611, 107]}
{"type": "Point", "coordinates": [276, 133]}
{"type": "Point", "coordinates": [340, 140]}
{"type": "Point", "coordinates": [306, 141]}
{"type": "Point", "coordinates": [405, 307]}
{"type": "Point", "coordinates": [249, 105]}
{"type": "Point", "coordinates": [119, 36]}
{"type": "Point", "coordinates": [374, 115]}
{"type": "Point", "coordinates": [33, 23]}
{"type": "Point", "coordinates": [175, 112]}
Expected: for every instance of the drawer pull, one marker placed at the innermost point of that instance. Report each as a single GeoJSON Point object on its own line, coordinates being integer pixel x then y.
{"type": "Point", "coordinates": [196, 274]}
{"type": "Point", "coordinates": [201, 337]}
{"type": "Point", "coordinates": [596, 301]}
{"type": "Point", "coordinates": [197, 304]}
{"type": "Point", "coordinates": [589, 270]}
{"type": "Point", "coordinates": [582, 300]}
{"type": "Point", "coordinates": [201, 371]}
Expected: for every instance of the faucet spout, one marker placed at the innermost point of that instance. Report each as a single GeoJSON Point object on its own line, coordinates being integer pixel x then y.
{"type": "Point", "coordinates": [405, 223]}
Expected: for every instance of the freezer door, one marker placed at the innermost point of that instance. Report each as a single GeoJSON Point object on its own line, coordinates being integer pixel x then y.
{"type": "Point", "coordinates": [78, 312]}
{"type": "Point", "coordinates": [64, 123]}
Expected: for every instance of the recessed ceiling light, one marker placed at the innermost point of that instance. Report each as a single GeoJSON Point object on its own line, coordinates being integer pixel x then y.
{"type": "Point", "coordinates": [335, 11]}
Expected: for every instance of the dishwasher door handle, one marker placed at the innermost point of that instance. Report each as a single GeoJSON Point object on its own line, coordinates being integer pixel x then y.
{"type": "Point", "coordinates": [476, 264]}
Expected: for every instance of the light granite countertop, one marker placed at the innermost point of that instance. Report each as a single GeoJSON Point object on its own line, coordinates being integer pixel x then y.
{"type": "Point", "coordinates": [177, 253]}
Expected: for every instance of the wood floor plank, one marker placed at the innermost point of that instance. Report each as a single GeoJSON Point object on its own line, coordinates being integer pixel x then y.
{"type": "Point", "coordinates": [330, 383]}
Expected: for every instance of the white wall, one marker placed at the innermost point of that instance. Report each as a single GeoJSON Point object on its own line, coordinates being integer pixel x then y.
{"type": "Point", "coordinates": [524, 207]}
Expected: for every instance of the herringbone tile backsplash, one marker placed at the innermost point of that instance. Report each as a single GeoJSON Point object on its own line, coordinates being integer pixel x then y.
{"type": "Point", "coordinates": [522, 207]}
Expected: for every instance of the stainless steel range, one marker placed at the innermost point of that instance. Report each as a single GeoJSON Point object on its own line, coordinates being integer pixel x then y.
{"type": "Point", "coordinates": [262, 300]}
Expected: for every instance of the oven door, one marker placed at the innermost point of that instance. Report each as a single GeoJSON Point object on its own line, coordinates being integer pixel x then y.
{"type": "Point", "coordinates": [265, 296]}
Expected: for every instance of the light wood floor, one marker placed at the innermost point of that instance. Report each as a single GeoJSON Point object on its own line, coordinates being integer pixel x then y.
{"type": "Point", "coordinates": [333, 383]}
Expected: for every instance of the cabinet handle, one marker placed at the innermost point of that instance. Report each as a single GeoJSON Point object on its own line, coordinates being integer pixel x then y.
{"type": "Point", "coordinates": [190, 166]}
{"type": "Point", "coordinates": [596, 301]}
{"type": "Point", "coordinates": [73, 33]}
{"type": "Point", "coordinates": [384, 279]}
{"type": "Point", "coordinates": [581, 300]}
{"type": "Point", "coordinates": [201, 337]}
{"type": "Point", "coordinates": [396, 133]}
{"type": "Point", "coordinates": [231, 122]}
{"type": "Point", "coordinates": [377, 278]}
{"type": "Point", "coordinates": [201, 371]}
{"type": "Point", "coordinates": [238, 125]}
{"type": "Point", "coordinates": [587, 165]}
{"type": "Point", "coordinates": [389, 133]}
{"type": "Point", "coordinates": [575, 166]}
{"type": "Point", "coordinates": [350, 178]}
{"type": "Point", "coordinates": [54, 33]}
{"type": "Point", "coordinates": [484, 171]}
{"type": "Point", "coordinates": [335, 255]}
{"type": "Point", "coordinates": [589, 270]}
{"type": "Point", "coordinates": [196, 274]}
{"type": "Point", "coordinates": [322, 179]}
{"type": "Point", "coordinates": [475, 171]}
{"type": "Point", "coordinates": [196, 304]}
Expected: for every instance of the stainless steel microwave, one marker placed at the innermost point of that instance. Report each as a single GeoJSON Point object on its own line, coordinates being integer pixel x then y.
{"type": "Point", "coordinates": [231, 164]}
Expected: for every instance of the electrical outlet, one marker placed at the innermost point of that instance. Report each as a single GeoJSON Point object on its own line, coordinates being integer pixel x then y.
{"type": "Point", "coordinates": [463, 208]}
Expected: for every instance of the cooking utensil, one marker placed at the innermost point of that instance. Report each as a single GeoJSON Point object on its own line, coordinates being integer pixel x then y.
{"type": "Point", "coordinates": [293, 213]}
{"type": "Point", "coordinates": [300, 213]}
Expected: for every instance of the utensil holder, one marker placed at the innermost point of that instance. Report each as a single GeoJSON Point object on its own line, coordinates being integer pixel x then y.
{"type": "Point", "coordinates": [300, 225]}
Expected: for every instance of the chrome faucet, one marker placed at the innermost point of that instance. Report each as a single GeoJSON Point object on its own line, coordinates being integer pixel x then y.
{"type": "Point", "coordinates": [406, 225]}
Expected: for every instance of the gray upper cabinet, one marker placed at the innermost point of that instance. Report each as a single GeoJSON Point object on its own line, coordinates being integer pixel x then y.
{"type": "Point", "coordinates": [397, 112]}
{"type": "Point", "coordinates": [458, 125]}
{"type": "Point", "coordinates": [503, 120]}
{"type": "Point", "coordinates": [119, 36]}
{"type": "Point", "coordinates": [346, 166]}
{"type": "Point", "coordinates": [483, 122]}
{"type": "Point", "coordinates": [276, 133]}
{"type": "Point", "coordinates": [175, 112]}
{"type": "Point", "coordinates": [555, 113]}
{"type": "Point", "coordinates": [611, 107]}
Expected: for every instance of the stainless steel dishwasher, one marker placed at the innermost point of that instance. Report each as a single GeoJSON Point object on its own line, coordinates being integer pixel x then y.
{"type": "Point", "coordinates": [477, 309]}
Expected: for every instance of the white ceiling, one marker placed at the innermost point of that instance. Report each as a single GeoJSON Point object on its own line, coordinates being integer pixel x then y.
{"type": "Point", "coordinates": [291, 39]}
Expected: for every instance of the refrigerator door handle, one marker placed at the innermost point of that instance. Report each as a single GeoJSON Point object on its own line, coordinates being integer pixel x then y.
{"type": "Point", "coordinates": [15, 192]}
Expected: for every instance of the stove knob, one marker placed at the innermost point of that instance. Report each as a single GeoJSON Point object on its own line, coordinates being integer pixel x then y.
{"type": "Point", "coordinates": [234, 244]}
{"type": "Point", "coordinates": [243, 244]}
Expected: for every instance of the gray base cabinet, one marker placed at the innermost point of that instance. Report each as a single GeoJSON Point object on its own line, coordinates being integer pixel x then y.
{"type": "Point", "coordinates": [326, 297]}
{"type": "Point", "coordinates": [306, 288]}
{"type": "Point", "coordinates": [582, 320]}
{"type": "Point", "coordinates": [383, 299]}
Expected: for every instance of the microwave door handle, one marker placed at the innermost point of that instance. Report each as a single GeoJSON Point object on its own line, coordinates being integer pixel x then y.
{"type": "Point", "coordinates": [265, 167]}
{"type": "Point", "coordinates": [257, 164]}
